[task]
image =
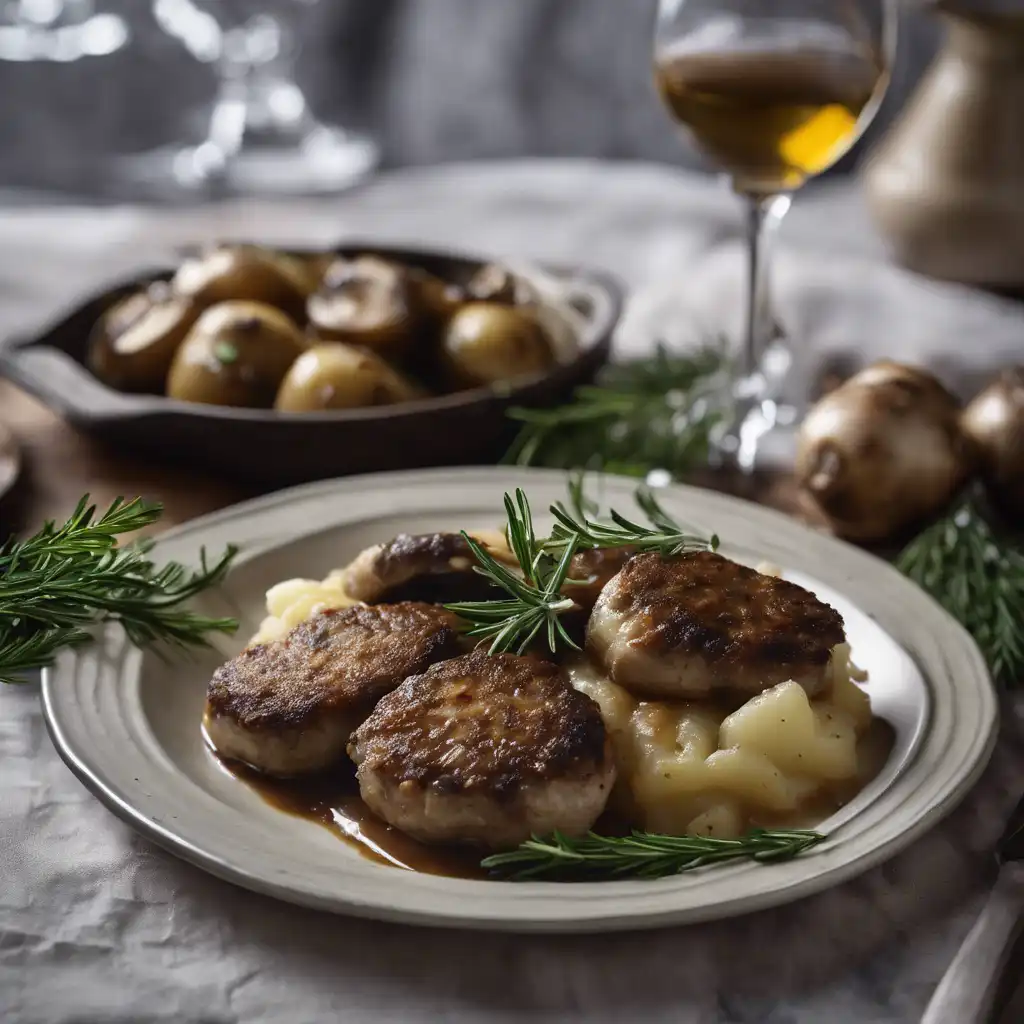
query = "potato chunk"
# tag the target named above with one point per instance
(688, 767)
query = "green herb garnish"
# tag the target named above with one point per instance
(225, 352)
(653, 413)
(645, 855)
(664, 535)
(535, 599)
(64, 579)
(978, 577)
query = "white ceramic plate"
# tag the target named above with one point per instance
(128, 723)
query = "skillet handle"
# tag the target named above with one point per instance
(65, 385)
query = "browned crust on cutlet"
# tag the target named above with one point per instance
(342, 659)
(483, 723)
(703, 604)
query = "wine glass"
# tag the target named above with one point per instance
(773, 93)
(58, 30)
(261, 135)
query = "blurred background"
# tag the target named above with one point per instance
(84, 83)
(919, 258)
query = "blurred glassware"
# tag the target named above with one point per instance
(262, 136)
(58, 30)
(774, 94)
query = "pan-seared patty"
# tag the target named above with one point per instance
(434, 567)
(696, 623)
(597, 567)
(288, 707)
(485, 750)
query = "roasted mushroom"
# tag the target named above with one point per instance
(436, 300)
(249, 273)
(882, 451)
(486, 343)
(494, 283)
(365, 301)
(333, 375)
(133, 343)
(432, 567)
(236, 354)
(314, 267)
(994, 421)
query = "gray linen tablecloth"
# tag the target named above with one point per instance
(97, 925)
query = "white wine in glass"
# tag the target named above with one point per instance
(773, 93)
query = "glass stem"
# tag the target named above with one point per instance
(764, 214)
(257, 78)
(754, 411)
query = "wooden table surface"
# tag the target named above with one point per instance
(59, 465)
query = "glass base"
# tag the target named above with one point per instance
(764, 439)
(759, 429)
(326, 160)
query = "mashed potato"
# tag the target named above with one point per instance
(295, 601)
(687, 766)
(694, 766)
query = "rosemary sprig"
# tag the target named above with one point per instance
(535, 600)
(643, 855)
(664, 535)
(978, 577)
(652, 413)
(57, 583)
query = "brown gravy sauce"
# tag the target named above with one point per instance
(331, 799)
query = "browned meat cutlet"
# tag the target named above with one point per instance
(485, 750)
(698, 623)
(434, 567)
(289, 707)
(597, 566)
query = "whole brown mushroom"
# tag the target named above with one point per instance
(132, 345)
(435, 299)
(237, 354)
(882, 452)
(314, 267)
(333, 375)
(994, 421)
(365, 301)
(495, 283)
(247, 273)
(486, 343)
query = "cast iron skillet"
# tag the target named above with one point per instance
(272, 449)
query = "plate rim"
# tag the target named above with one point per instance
(827, 877)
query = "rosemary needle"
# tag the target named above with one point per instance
(536, 600)
(651, 413)
(664, 535)
(64, 579)
(643, 855)
(978, 577)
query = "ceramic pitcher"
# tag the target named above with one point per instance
(946, 186)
